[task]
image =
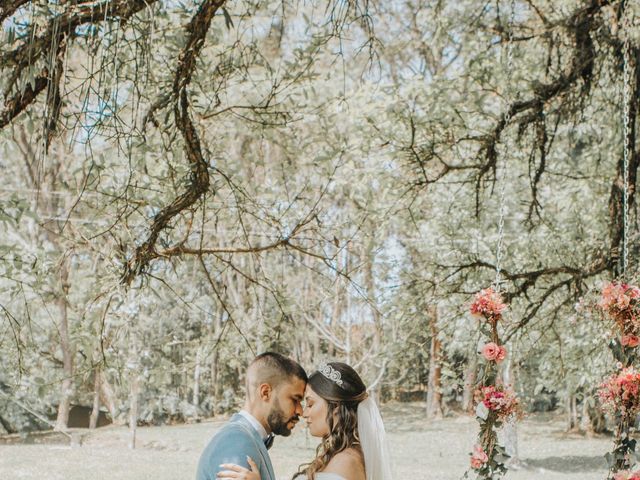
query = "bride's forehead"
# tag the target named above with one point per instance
(310, 393)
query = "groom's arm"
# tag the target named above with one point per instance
(232, 446)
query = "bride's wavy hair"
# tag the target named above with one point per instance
(342, 415)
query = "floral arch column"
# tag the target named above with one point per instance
(619, 394)
(495, 402)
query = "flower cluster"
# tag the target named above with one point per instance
(621, 303)
(620, 393)
(618, 297)
(494, 352)
(500, 400)
(478, 458)
(488, 304)
(627, 475)
(631, 341)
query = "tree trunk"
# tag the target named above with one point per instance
(567, 409)
(258, 319)
(434, 387)
(215, 389)
(134, 387)
(196, 381)
(107, 396)
(369, 284)
(585, 420)
(470, 376)
(133, 408)
(66, 390)
(336, 314)
(93, 419)
(6, 426)
(183, 383)
(593, 419)
(315, 339)
(347, 299)
(574, 412)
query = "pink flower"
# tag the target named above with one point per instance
(490, 351)
(619, 299)
(613, 296)
(502, 354)
(493, 352)
(500, 400)
(488, 304)
(631, 341)
(478, 457)
(621, 392)
(627, 475)
(620, 302)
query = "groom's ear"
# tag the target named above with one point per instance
(265, 391)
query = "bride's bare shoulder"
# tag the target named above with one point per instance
(348, 464)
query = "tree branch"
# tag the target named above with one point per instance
(197, 30)
(580, 23)
(36, 48)
(9, 7)
(20, 101)
(74, 16)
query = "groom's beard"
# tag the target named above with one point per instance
(278, 422)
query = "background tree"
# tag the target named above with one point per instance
(222, 179)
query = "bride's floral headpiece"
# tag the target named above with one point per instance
(331, 373)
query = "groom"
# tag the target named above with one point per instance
(275, 388)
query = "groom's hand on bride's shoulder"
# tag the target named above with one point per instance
(231, 470)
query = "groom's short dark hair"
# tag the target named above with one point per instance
(274, 368)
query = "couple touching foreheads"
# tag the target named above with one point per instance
(337, 409)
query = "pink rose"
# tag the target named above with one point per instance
(631, 341)
(478, 457)
(626, 475)
(491, 351)
(502, 354)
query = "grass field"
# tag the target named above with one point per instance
(436, 450)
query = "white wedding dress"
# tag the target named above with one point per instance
(377, 461)
(327, 476)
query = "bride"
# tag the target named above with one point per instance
(340, 411)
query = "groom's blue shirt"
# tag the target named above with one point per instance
(232, 444)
